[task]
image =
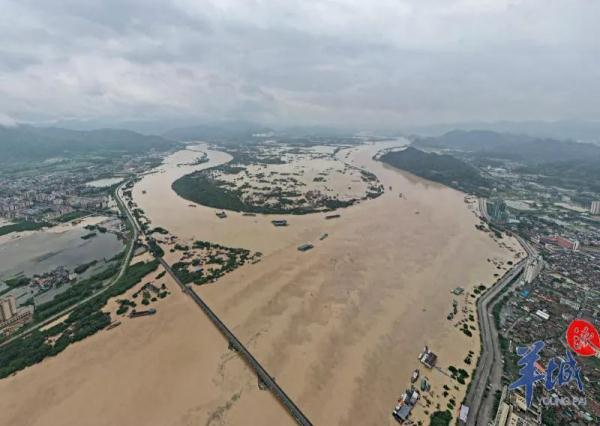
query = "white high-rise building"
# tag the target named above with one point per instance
(533, 268)
(595, 208)
(8, 308)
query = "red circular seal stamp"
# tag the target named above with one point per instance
(583, 337)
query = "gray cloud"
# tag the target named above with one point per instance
(385, 63)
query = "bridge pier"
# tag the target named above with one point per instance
(261, 384)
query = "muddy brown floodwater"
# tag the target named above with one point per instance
(339, 326)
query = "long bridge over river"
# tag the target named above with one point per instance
(265, 378)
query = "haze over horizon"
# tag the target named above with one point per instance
(340, 63)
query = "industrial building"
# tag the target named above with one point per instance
(559, 241)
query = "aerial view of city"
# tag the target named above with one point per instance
(300, 213)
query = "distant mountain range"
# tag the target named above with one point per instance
(523, 148)
(27, 143)
(581, 131)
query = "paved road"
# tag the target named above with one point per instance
(495, 376)
(490, 367)
(122, 270)
(490, 358)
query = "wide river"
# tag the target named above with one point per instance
(339, 326)
(193, 221)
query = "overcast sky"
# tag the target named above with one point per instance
(365, 63)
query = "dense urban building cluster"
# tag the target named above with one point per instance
(56, 189)
(557, 286)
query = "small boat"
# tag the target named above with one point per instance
(415, 376)
(113, 325)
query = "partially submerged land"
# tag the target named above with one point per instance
(82, 322)
(277, 179)
(61, 233)
(340, 326)
(142, 371)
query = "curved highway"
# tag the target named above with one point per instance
(490, 354)
(490, 366)
(123, 268)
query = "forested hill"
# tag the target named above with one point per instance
(444, 169)
(510, 146)
(28, 143)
